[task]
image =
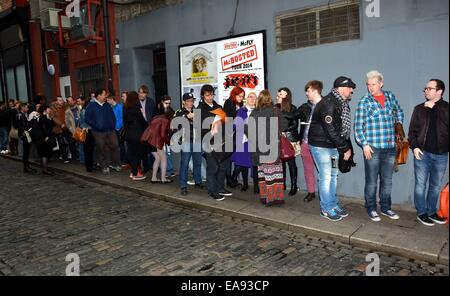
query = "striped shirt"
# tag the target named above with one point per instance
(374, 125)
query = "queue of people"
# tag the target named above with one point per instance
(136, 130)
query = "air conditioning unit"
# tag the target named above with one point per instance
(36, 6)
(49, 20)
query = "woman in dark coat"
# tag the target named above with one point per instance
(231, 106)
(134, 125)
(289, 127)
(44, 139)
(241, 156)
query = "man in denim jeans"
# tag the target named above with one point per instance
(374, 131)
(325, 142)
(428, 138)
(190, 147)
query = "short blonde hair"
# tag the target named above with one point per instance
(374, 74)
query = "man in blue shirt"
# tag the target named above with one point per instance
(118, 113)
(100, 117)
(376, 114)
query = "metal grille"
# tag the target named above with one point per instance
(90, 79)
(320, 25)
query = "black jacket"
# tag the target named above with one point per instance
(326, 124)
(230, 108)
(420, 122)
(183, 112)
(289, 123)
(206, 113)
(5, 119)
(134, 124)
(22, 123)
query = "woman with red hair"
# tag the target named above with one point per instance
(231, 106)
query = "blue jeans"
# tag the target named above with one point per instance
(186, 154)
(382, 165)
(169, 160)
(327, 175)
(3, 138)
(431, 167)
(80, 152)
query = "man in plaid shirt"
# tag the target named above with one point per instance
(374, 132)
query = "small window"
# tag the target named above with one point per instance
(319, 25)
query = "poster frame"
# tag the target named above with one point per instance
(263, 32)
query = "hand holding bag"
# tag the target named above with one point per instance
(80, 134)
(401, 145)
(287, 151)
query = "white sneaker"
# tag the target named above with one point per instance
(2, 152)
(374, 216)
(191, 182)
(6, 151)
(391, 214)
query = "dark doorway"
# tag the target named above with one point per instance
(159, 72)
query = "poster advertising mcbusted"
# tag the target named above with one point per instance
(224, 63)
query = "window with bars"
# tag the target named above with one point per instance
(319, 25)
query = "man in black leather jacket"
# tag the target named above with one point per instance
(326, 142)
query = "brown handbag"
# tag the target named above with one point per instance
(401, 145)
(80, 134)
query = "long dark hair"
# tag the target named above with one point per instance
(287, 101)
(132, 100)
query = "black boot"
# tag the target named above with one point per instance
(244, 179)
(284, 174)
(255, 180)
(45, 171)
(232, 181)
(310, 196)
(293, 175)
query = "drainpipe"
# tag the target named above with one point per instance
(107, 45)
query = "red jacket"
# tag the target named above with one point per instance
(157, 133)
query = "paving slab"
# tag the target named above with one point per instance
(443, 256)
(314, 224)
(397, 240)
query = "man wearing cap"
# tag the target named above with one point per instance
(326, 142)
(190, 146)
(375, 116)
(342, 91)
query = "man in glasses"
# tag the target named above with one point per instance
(428, 138)
(376, 114)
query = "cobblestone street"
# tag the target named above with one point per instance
(115, 232)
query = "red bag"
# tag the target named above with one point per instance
(287, 151)
(443, 208)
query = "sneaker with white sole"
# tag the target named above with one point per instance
(425, 220)
(373, 215)
(191, 182)
(341, 211)
(330, 215)
(138, 177)
(391, 214)
(436, 219)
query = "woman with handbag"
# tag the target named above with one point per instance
(159, 136)
(270, 169)
(289, 129)
(134, 125)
